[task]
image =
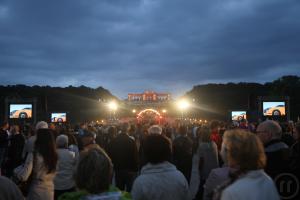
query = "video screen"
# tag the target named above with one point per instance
(274, 108)
(238, 115)
(20, 111)
(58, 117)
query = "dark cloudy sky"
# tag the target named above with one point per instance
(134, 45)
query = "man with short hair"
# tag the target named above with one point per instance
(277, 152)
(183, 152)
(124, 154)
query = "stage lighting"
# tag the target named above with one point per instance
(183, 105)
(113, 106)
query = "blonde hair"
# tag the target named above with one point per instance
(244, 149)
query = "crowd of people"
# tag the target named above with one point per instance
(147, 161)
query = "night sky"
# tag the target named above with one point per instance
(135, 45)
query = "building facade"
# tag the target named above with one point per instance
(149, 96)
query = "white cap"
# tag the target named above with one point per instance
(41, 125)
(155, 129)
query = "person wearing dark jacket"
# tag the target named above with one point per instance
(295, 152)
(183, 153)
(15, 150)
(3, 142)
(124, 154)
(277, 152)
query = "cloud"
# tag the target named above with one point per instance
(136, 45)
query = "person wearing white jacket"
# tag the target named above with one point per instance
(63, 180)
(245, 153)
(254, 184)
(159, 179)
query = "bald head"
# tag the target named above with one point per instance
(269, 130)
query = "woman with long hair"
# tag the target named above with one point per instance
(41, 166)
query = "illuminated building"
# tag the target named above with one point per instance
(149, 96)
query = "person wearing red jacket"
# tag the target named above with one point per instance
(215, 136)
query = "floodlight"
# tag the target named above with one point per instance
(113, 106)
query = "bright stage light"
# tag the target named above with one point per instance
(134, 111)
(183, 105)
(164, 110)
(113, 106)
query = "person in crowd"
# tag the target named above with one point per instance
(208, 157)
(168, 132)
(154, 129)
(3, 142)
(252, 127)
(88, 141)
(63, 180)
(82, 129)
(215, 136)
(217, 176)
(194, 138)
(139, 130)
(183, 153)
(52, 126)
(27, 130)
(109, 136)
(245, 153)
(29, 144)
(9, 190)
(124, 154)
(15, 150)
(41, 166)
(295, 152)
(243, 124)
(132, 131)
(277, 152)
(145, 131)
(92, 130)
(93, 178)
(100, 137)
(73, 145)
(159, 179)
(287, 133)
